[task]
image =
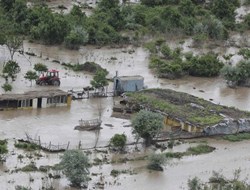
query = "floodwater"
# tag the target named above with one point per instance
(56, 125)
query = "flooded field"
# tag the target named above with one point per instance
(56, 125)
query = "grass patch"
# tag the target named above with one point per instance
(183, 106)
(237, 137)
(29, 168)
(175, 154)
(199, 149)
(3, 147)
(27, 146)
(115, 173)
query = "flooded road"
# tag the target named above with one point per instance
(56, 125)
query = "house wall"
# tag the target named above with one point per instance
(168, 121)
(128, 85)
(34, 103)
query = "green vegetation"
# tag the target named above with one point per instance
(10, 69)
(173, 64)
(147, 125)
(19, 187)
(40, 68)
(29, 168)
(30, 75)
(3, 147)
(7, 87)
(115, 173)
(197, 150)
(118, 141)
(26, 146)
(91, 67)
(75, 166)
(237, 75)
(99, 79)
(218, 181)
(237, 137)
(183, 106)
(156, 161)
(200, 149)
(113, 23)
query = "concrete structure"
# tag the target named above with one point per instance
(35, 99)
(128, 84)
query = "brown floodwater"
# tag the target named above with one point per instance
(56, 125)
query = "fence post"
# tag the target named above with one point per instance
(79, 146)
(68, 146)
(39, 140)
(49, 144)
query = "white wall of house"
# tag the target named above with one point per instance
(44, 102)
(34, 103)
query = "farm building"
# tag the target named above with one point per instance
(35, 99)
(128, 84)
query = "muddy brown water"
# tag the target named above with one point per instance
(56, 124)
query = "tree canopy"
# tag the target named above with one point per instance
(75, 166)
(147, 125)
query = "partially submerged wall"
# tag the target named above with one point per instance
(228, 126)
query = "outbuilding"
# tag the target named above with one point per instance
(35, 99)
(128, 84)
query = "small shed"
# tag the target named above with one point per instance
(35, 99)
(128, 84)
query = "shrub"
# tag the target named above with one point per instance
(207, 65)
(118, 141)
(156, 161)
(200, 149)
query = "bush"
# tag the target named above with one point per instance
(3, 147)
(206, 66)
(156, 161)
(118, 141)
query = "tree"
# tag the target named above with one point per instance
(147, 125)
(75, 166)
(99, 80)
(11, 68)
(40, 68)
(78, 36)
(118, 141)
(7, 87)
(31, 75)
(13, 43)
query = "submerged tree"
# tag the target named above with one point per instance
(11, 68)
(147, 125)
(75, 165)
(6, 87)
(13, 44)
(40, 68)
(30, 75)
(99, 80)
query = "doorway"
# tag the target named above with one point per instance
(39, 103)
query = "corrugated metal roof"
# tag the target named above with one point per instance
(33, 94)
(126, 78)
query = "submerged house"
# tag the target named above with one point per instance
(128, 84)
(35, 99)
